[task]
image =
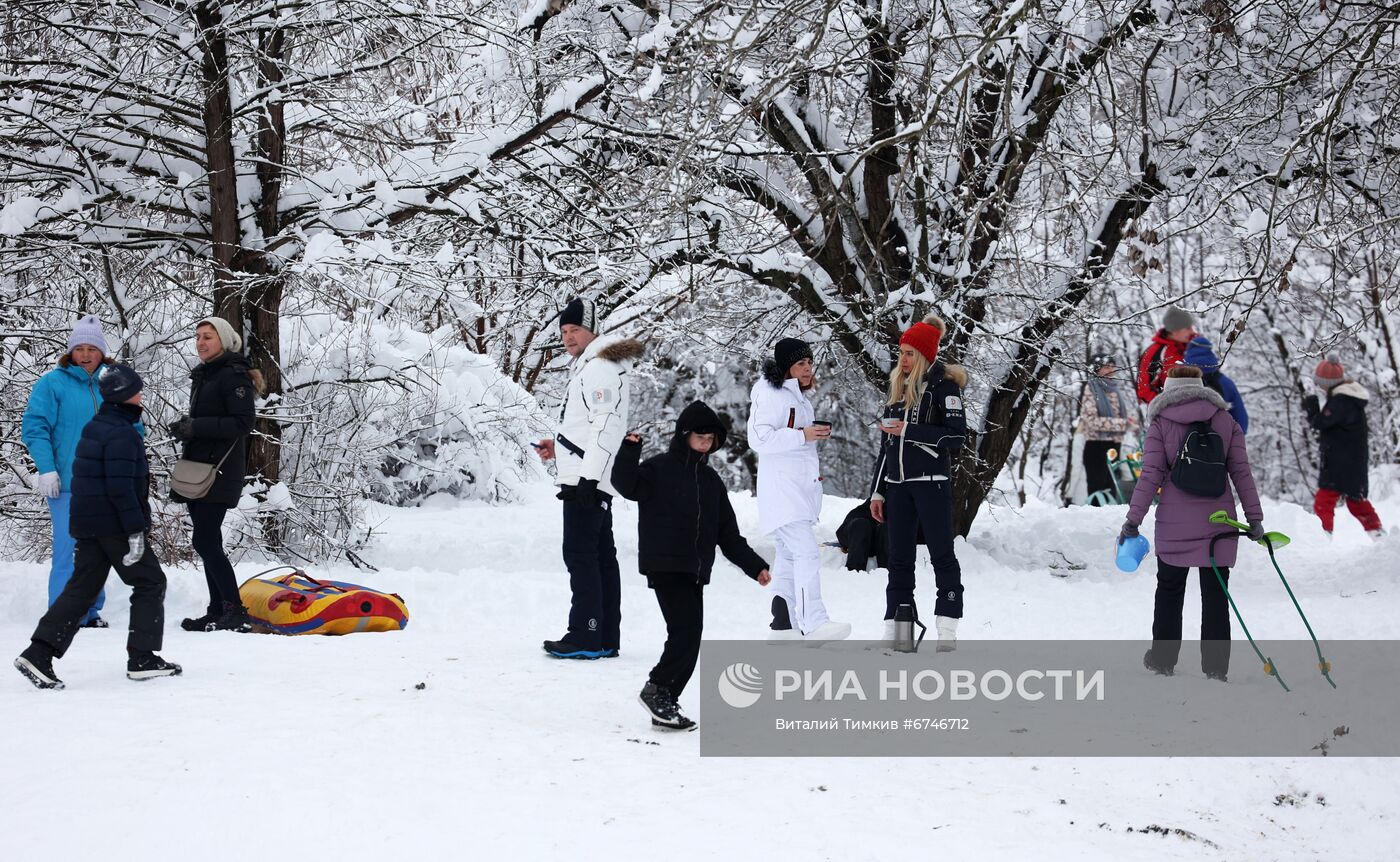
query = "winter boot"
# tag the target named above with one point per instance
(36, 663)
(1150, 664)
(233, 619)
(665, 712)
(610, 652)
(564, 649)
(827, 632)
(200, 624)
(95, 623)
(1376, 533)
(947, 633)
(147, 665)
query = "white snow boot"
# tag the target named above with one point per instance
(888, 639)
(947, 633)
(827, 632)
(777, 636)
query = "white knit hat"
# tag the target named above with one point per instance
(231, 340)
(88, 331)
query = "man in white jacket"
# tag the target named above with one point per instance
(783, 431)
(587, 440)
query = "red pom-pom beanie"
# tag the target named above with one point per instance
(924, 337)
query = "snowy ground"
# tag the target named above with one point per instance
(290, 746)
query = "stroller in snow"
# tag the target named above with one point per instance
(1124, 471)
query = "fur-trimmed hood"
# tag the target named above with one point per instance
(615, 349)
(1181, 390)
(775, 376)
(955, 373)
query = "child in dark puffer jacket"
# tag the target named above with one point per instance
(111, 514)
(684, 516)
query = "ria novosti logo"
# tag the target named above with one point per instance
(741, 685)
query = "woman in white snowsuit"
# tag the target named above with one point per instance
(782, 429)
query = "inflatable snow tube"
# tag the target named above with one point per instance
(296, 604)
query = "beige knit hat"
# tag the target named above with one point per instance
(231, 340)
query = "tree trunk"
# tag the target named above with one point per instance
(264, 305)
(1012, 398)
(224, 234)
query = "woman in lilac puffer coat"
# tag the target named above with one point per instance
(1183, 527)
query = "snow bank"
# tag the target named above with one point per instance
(458, 731)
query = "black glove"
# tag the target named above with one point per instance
(1129, 531)
(1310, 405)
(587, 493)
(1256, 530)
(182, 428)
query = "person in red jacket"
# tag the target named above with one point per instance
(1167, 350)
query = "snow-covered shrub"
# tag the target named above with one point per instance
(396, 415)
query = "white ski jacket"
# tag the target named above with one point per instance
(594, 418)
(789, 471)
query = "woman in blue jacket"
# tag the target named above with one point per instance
(1201, 353)
(63, 401)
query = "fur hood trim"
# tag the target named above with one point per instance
(622, 350)
(1181, 390)
(957, 374)
(775, 376)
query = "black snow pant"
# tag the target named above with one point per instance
(910, 507)
(1215, 619)
(208, 541)
(595, 617)
(682, 602)
(92, 561)
(1096, 472)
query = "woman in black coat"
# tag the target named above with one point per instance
(684, 514)
(221, 417)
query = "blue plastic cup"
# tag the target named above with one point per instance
(1130, 553)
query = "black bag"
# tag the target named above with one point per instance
(1200, 464)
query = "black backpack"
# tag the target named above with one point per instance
(1200, 463)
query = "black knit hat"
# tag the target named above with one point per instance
(790, 351)
(118, 383)
(580, 312)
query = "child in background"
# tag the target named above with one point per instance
(1343, 439)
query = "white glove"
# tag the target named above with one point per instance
(49, 485)
(137, 543)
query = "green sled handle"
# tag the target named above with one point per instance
(1271, 539)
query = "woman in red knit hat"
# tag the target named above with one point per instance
(923, 426)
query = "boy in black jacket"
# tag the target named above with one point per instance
(110, 516)
(684, 514)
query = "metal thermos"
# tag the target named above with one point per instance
(904, 623)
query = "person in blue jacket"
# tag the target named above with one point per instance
(63, 401)
(1201, 353)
